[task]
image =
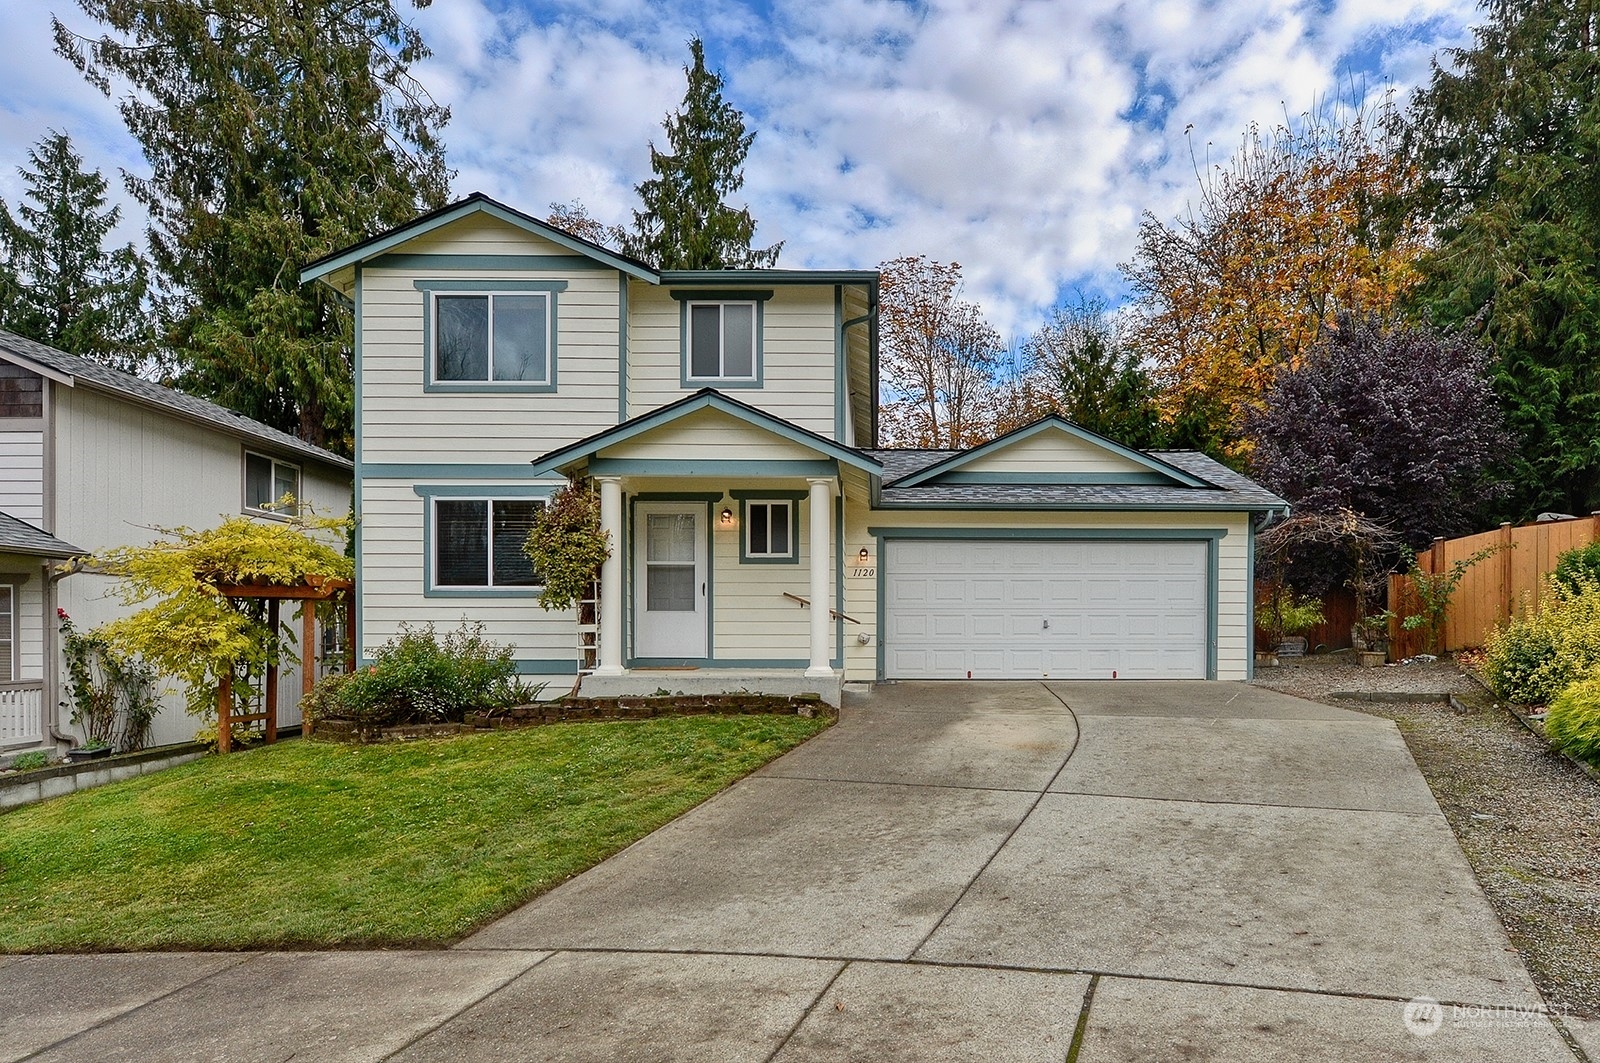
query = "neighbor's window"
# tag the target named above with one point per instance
(493, 338)
(722, 341)
(478, 542)
(8, 632)
(767, 529)
(266, 480)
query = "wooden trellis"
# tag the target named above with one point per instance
(315, 589)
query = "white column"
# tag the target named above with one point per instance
(611, 607)
(821, 550)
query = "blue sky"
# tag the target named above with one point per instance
(1021, 138)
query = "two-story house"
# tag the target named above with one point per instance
(92, 458)
(760, 538)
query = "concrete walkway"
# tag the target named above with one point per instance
(1100, 872)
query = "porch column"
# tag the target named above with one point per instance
(610, 662)
(821, 550)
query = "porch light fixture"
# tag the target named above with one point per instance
(727, 516)
(863, 555)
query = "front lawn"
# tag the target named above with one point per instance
(312, 844)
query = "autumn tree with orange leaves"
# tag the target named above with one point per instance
(938, 358)
(1294, 230)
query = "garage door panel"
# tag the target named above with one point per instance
(1029, 609)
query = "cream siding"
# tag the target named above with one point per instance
(1233, 635)
(124, 470)
(22, 475)
(710, 435)
(481, 234)
(1051, 451)
(403, 424)
(798, 344)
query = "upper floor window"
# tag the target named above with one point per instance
(722, 341)
(490, 335)
(266, 481)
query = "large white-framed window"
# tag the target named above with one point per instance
(477, 544)
(266, 481)
(490, 335)
(8, 632)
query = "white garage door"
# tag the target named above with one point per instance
(1020, 609)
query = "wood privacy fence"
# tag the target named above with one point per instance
(1493, 589)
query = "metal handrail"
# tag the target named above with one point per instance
(805, 603)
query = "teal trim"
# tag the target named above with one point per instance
(485, 490)
(430, 290)
(406, 470)
(1031, 478)
(877, 537)
(622, 347)
(475, 204)
(726, 468)
(858, 319)
(756, 492)
(1106, 534)
(792, 500)
(628, 575)
(689, 383)
(707, 662)
(545, 667)
(678, 496)
(1250, 601)
(428, 589)
(1218, 506)
(710, 400)
(838, 581)
(769, 276)
(872, 363)
(715, 295)
(1059, 424)
(839, 378)
(356, 508)
(1212, 595)
(562, 263)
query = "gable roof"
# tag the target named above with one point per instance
(1051, 422)
(76, 371)
(476, 203)
(20, 537)
(707, 399)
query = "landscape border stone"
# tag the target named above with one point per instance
(26, 787)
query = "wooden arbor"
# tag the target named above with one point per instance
(315, 589)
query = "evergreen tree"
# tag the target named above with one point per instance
(1083, 367)
(276, 133)
(58, 282)
(1506, 138)
(685, 223)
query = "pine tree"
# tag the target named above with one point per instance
(58, 282)
(276, 133)
(685, 223)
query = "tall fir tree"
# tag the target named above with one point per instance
(59, 284)
(276, 133)
(686, 223)
(1506, 135)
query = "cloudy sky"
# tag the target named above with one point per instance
(1021, 138)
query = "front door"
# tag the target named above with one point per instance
(670, 581)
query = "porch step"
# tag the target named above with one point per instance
(645, 681)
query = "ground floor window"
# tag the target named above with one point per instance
(478, 542)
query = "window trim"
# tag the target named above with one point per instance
(244, 486)
(432, 289)
(687, 300)
(12, 586)
(792, 499)
(431, 496)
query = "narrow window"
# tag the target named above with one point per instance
(767, 529)
(478, 542)
(267, 480)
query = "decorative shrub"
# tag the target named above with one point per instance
(567, 546)
(1574, 720)
(1579, 566)
(1533, 659)
(418, 677)
(112, 694)
(1285, 613)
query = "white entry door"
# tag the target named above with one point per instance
(670, 605)
(1031, 609)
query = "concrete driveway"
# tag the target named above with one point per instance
(1005, 871)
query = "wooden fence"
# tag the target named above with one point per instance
(1494, 589)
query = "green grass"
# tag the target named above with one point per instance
(313, 844)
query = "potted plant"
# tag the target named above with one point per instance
(1283, 616)
(94, 749)
(1369, 635)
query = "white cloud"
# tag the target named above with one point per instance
(1021, 138)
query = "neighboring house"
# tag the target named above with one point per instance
(99, 458)
(760, 539)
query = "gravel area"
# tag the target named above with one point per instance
(1527, 819)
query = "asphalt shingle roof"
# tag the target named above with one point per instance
(20, 537)
(88, 372)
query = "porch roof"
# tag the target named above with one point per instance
(20, 537)
(574, 454)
